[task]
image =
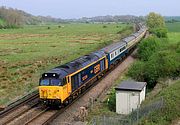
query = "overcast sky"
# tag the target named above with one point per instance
(89, 8)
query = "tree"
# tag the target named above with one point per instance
(155, 21)
(156, 25)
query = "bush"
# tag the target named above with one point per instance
(112, 101)
(125, 29)
(160, 32)
(147, 47)
(157, 60)
(160, 65)
(104, 26)
(136, 71)
(167, 63)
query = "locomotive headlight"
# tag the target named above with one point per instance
(45, 74)
(54, 74)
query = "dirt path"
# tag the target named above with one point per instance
(69, 117)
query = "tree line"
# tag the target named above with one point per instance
(11, 18)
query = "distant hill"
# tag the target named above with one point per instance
(19, 17)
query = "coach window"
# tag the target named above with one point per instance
(113, 55)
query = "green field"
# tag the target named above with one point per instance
(174, 32)
(27, 52)
(173, 27)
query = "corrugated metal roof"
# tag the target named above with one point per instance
(131, 86)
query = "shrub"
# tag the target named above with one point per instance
(167, 63)
(112, 101)
(104, 26)
(160, 32)
(161, 64)
(147, 47)
(136, 71)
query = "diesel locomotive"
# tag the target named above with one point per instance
(64, 83)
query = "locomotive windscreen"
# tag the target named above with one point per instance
(50, 82)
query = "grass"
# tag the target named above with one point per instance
(174, 37)
(27, 52)
(170, 112)
(173, 27)
(174, 32)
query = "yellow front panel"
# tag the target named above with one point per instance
(55, 92)
(50, 92)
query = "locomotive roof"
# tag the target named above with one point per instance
(76, 64)
(114, 46)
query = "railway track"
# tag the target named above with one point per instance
(19, 107)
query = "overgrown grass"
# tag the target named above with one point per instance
(170, 112)
(27, 52)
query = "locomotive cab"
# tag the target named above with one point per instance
(52, 88)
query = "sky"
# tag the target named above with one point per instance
(88, 8)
